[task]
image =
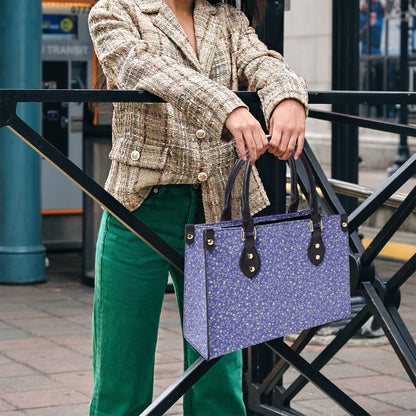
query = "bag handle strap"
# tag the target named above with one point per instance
(313, 195)
(294, 193)
(250, 259)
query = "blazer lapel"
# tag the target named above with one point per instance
(206, 32)
(167, 22)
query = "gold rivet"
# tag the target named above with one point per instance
(252, 269)
(317, 257)
(344, 224)
(250, 255)
(210, 242)
(190, 236)
(317, 245)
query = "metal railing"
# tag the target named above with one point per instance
(382, 297)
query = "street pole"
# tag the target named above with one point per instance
(403, 150)
(345, 70)
(22, 256)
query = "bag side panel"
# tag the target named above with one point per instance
(195, 301)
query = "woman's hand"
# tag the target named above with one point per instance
(287, 129)
(247, 132)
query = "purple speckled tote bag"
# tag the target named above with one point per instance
(252, 280)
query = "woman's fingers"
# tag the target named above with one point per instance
(287, 128)
(247, 133)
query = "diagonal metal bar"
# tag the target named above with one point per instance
(329, 352)
(314, 376)
(330, 196)
(399, 344)
(173, 393)
(402, 275)
(388, 230)
(368, 123)
(95, 191)
(407, 337)
(282, 366)
(371, 204)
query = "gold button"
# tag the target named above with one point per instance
(200, 134)
(135, 155)
(202, 176)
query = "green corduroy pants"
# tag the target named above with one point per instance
(130, 282)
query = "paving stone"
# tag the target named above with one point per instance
(374, 384)
(30, 313)
(4, 360)
(404, 399)
(74, 410)
(322, 407)
(169, 344)
(336, 371)
(162, 358)
(5, 407)
(26, 344)
(44, 327)
(53, 360)
(26, 383)
(14, 333)
(44, 398)
(15, 369)
(171, 369)
(81, 344)
(375, 407)
(81, 381)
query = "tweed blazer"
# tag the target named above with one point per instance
(141, 45)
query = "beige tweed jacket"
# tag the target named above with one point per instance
(141, 45)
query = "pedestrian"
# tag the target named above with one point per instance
(170, 164)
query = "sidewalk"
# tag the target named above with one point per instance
(45, 359)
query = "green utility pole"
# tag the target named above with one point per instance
(22, 256)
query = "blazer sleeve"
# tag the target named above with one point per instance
(130, 63)
(264, 70)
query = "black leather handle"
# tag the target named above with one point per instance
(294, 193)
(313, 196)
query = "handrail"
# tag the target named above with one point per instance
(360, 191)
(91, 95)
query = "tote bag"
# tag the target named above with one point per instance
(251, 280)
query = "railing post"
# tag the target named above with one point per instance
(403, 152)
(345, 60)
(22, 257)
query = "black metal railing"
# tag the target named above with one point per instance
(382, 297)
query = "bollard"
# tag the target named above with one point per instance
(22, 256)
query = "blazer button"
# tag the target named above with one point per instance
(200, 134)
(135, 155)
(202, 176)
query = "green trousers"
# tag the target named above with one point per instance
(130, 283)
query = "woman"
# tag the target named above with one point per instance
(170, 163)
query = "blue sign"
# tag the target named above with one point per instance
(58, 26)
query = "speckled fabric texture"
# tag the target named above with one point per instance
(226, 311)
